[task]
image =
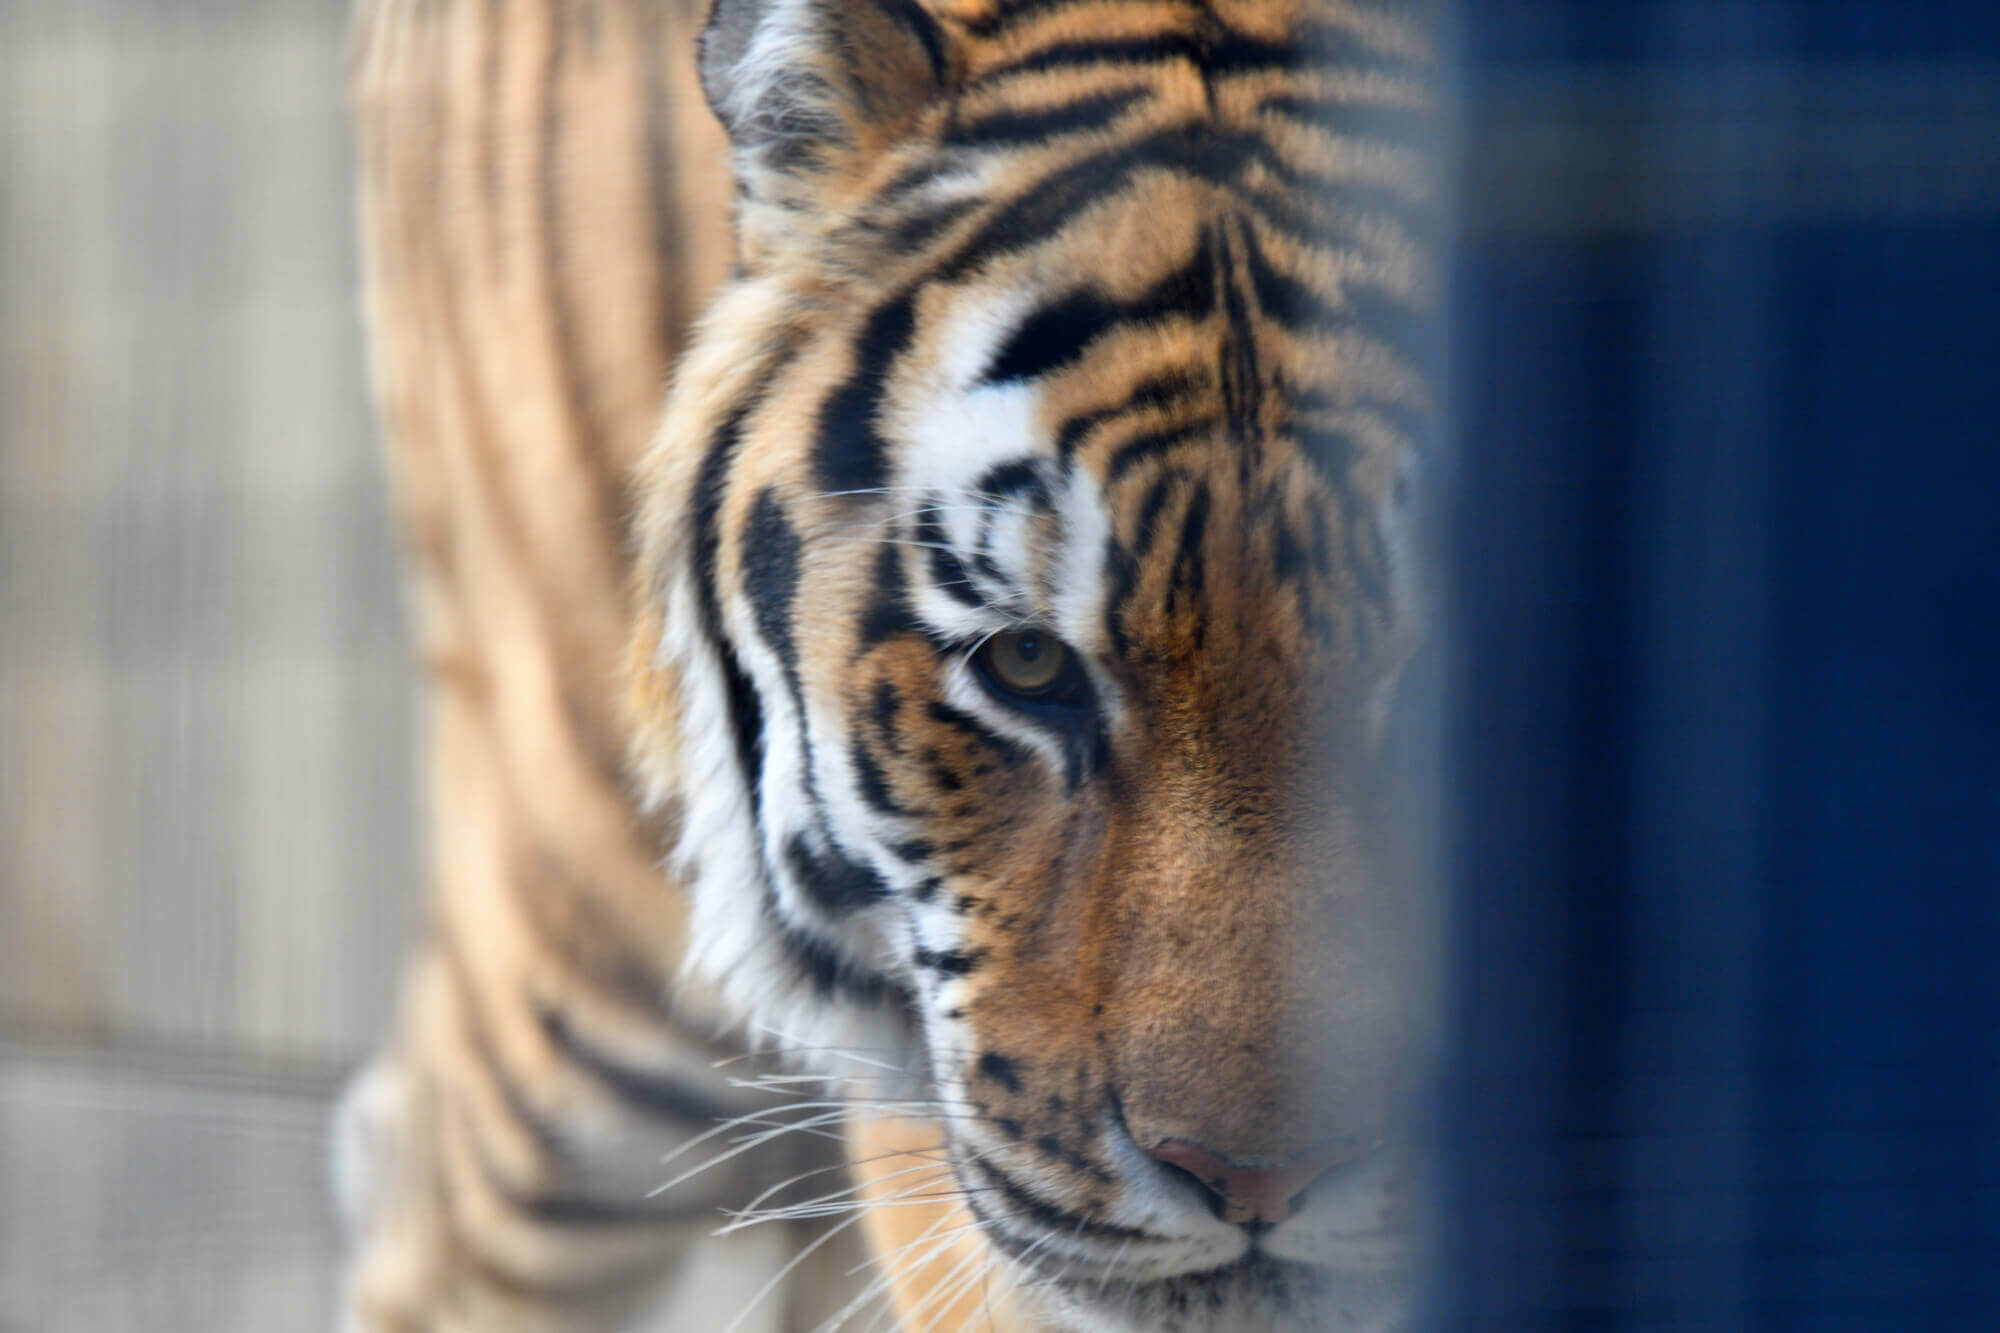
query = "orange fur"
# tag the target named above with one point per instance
(1178, 919)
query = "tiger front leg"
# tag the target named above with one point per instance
(484, 1189)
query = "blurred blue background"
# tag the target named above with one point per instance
(1727, 826)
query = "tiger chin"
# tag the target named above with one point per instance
(1025, 581)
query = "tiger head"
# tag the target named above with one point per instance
(1026, 582)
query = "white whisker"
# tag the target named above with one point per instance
(882, 1283)
(751, 1141)
(949, 1290)
(789, 1181)
(826, 1204)
(793, 1043)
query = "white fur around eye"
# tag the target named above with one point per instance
(1080, 570)
(952, 428)
(964, 691)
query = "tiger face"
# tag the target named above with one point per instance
(1026, 587)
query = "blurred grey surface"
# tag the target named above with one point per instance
(161, 1194)
(208, 859)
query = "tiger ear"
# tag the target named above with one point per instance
(806, 88)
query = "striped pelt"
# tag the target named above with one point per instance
(980, 906)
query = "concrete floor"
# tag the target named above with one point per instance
(151, 1194)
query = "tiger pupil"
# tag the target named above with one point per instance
(1026, 662)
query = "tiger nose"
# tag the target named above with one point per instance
(1251, 1193)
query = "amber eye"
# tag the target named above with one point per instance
(1025, 662)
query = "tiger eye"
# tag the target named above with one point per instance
(1027, 661)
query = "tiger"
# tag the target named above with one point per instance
(1015, 602)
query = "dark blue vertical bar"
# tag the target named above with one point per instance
(1725, 863)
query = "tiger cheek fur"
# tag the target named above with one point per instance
(1094, 323)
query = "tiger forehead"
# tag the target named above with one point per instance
(1170, 254)
(1183, 359)
(1179, 229)
(996, 30)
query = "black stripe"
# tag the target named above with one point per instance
(1121, 574)
(993, 1065)
(835, 882)
(1153, 49)
(1377, 122)
(550, 1207)
(1288, 555)
(770, 575)
(1003, 749)
(746, 714)
(1085, 751)
(1145, 530)
(873, 784)
(1156, 391)
(769, 570)
(1410, 421)
(1006, 17)
(568, 1210)
(1039, 126)
(888, 613)
(1188, 568)
(1322, 540)
(1242, 377)
(883, 709)
(948, 573)
(909, 180)
(1367, 309)
(1225, 54)
(1019, 477)
(1334, 452)
(1199, 150)
(655, 1093)
(1380, 198)
(477, 1032)
(1318, 215)
(916, 21)
(982, 559)
(1136, 451)
(1045, 1215)
(1188, 574)
(672, 291)
(1284, 299)
(849, 453)
(831, 973)
(1362, 536)
(951, 962)
(1061, 331)
(945, 779)
(566, 915)
(1047, 206)
(917, 230)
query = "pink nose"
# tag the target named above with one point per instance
(1251, 1193)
